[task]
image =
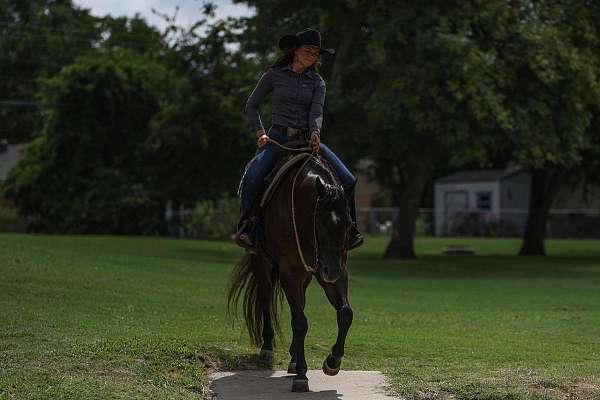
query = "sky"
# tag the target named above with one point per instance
(189, 10)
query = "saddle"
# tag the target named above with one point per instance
(287, 161)
(278, 173)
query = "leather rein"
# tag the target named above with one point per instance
(309, 268)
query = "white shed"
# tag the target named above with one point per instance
(498, 196)
(9, 157)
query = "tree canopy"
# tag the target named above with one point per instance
(419, 88)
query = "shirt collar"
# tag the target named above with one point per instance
(310, 73)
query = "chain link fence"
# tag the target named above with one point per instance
(562, 223)
(219, 221)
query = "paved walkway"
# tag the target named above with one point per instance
(268, 385)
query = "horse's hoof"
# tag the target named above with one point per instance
(300, 385)
(292, 368)
(327, 370)
(266, 357)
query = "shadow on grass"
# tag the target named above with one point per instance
(438, 266)
(227, 255)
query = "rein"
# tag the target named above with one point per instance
(290, 149)
(296, 236)
(308, 267)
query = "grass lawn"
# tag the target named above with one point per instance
(122, 317)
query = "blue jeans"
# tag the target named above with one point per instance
(267, 157)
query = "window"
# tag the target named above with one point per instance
(484, 200)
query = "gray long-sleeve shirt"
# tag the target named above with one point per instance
(298, 99)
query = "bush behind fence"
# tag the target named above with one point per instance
(504, 223)
(218, 220)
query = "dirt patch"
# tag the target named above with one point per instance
(435, 396)
(581, 389)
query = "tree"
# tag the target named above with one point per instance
(37, 38)
(410, 85)
(200, 142)
(85, 173)
(455, 83)
(553, 93)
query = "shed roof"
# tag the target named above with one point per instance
(488, 175)
(9, 159)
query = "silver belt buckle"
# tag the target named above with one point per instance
(293, 133)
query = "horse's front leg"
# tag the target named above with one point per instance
(337, 293)
(292, 365)
(294, 292)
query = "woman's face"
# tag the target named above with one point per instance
(307, 55)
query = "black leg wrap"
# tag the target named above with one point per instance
(300, 326)
(345, 315)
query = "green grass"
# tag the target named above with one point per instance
(122, 317)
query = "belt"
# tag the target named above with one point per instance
(293, 133)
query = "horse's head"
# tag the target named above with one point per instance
(332, 225)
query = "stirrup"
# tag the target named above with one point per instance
(356, 238)
(242, 237)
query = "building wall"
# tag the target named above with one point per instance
(9, 158)
(365, 190)
(515, 192)
(444, 191)
(578, 198)
(515, 201)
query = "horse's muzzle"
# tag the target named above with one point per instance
(328, 274)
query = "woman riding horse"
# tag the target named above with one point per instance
(297, 109)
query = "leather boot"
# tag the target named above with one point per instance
(356, 238)
(243, 236)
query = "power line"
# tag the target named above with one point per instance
(74, 38)
(23, 103)
(43, 32)
(100, 28)
(38, 61)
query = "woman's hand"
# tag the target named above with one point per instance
(315, 141)
(262, 138)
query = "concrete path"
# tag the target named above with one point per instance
(268, 385)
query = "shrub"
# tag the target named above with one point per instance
(213, 219)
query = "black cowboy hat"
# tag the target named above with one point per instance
(307, 36)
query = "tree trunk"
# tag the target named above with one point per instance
(418, 171)
(544, 188)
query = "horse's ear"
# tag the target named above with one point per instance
(321, 187)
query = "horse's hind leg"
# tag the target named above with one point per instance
(266, 298)
(337, 294)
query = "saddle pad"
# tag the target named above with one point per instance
(281, 172)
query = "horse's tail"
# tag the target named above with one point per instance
(258, 280)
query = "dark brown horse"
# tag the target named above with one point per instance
(306, 226)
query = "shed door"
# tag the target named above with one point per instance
(456, 201)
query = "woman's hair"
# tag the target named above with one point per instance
(288, 56)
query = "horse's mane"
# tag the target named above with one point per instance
(320, 165)
(334, 189)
